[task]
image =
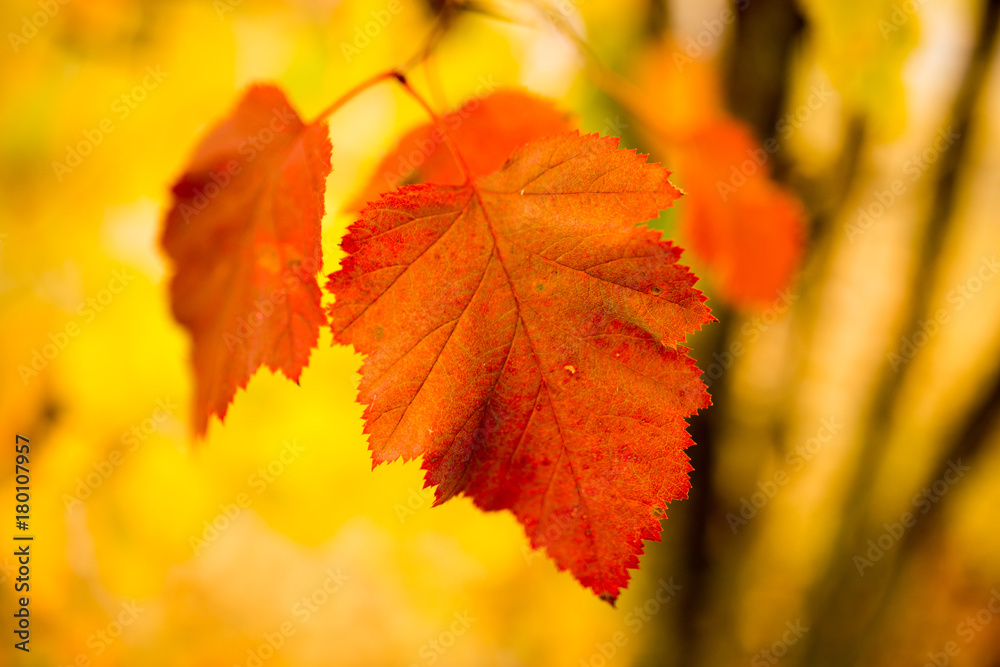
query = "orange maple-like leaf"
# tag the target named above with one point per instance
(244, 235)
(486, 130)
(747, 228)
(525, 336)
(742, 224)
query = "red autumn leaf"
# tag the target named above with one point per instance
(525, 335)
(244, 234)
(485, 130)
(742, 224)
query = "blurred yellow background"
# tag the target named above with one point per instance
(839, 408)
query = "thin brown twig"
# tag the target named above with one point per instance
(352, 93)
(452, 146)
(421, 55)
